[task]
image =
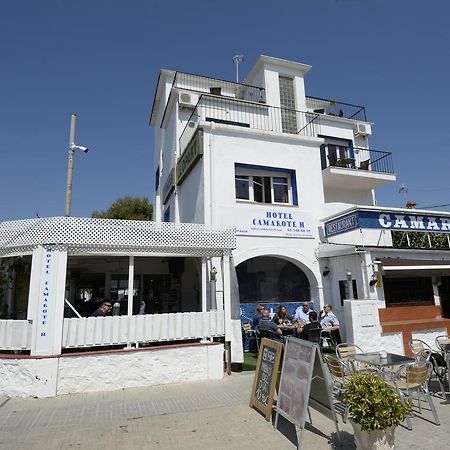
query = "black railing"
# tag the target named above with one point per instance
(249, 115)
(357, 158)
(215, 86)
(334, 108)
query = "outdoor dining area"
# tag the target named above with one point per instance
(417, 379)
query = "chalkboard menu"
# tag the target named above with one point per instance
(266, 376)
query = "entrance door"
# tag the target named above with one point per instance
(444, 293)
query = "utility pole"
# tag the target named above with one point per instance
(72, 148)
(237, 59)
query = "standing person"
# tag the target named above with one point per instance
(329, 322)
(302, 313)
(104, 310)
(257, 317)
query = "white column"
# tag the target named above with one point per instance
(46, 299)
(227, 296)
(205, 279)
(130, 285)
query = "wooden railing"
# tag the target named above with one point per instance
(15, 335)
(101, 331)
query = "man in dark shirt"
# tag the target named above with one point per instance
(266, 325)
(313, 324)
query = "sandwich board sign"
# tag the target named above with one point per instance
(266, 376)
(304, 382)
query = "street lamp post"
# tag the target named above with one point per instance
(72, 148)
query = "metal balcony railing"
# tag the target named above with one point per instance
(357, 158)
(334, 108)
(215, 86)
(249, 115)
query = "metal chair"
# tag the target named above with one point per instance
(441, 342)
(338, 377)
(414, 378)
(440, 370)
(421, 350)
(251, 334)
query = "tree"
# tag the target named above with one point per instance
(130, 208)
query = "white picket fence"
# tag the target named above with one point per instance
(96, 331)
(15, 335)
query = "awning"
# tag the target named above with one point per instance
(398, 267)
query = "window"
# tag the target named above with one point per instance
(263, 189)
(166, 217)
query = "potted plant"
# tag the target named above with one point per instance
(375, 409)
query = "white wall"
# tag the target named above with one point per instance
(48, 377)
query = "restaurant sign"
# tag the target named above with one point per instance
(386, 220)
(169, 186)
(190, 156)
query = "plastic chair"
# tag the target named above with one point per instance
(414, 378)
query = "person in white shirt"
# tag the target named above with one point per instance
(329, 322)
(302, 313)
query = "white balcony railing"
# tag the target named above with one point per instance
(99, 331)
(15, 335)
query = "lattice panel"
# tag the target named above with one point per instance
(122, 236)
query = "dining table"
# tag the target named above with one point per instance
(381, 360)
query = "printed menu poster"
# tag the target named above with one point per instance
(295, 380)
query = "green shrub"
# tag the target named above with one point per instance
(373, 404)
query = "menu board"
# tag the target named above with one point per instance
(295, 380)
(266, 376)
(304, 382)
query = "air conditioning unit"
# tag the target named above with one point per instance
(187, 99)
(363, 129)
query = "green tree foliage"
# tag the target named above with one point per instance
(130, 208)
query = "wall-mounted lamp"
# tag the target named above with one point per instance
(326, 271)
(373, 281)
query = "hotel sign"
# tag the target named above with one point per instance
(285, 222)
(190, 156)
(382, 220)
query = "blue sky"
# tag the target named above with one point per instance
(101, 60)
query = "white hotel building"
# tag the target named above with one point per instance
(263, 195)
(296, 177)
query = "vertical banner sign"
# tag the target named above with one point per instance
(47, 290)
(266, 376)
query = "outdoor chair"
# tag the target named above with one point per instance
(421, 350)
(270, 335)
(338, 378)
(251, 335)
(441, 342)
(345, 351)
(314, 335)
(440, 370)
(414, 379)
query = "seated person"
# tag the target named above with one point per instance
(104, 310)
(269, 327)
(302, 331)
(257, 317)
(329, 322)
(282, 316)
(302, 312)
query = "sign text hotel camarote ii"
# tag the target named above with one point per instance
(388, 221)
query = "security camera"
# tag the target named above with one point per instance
(81, 148)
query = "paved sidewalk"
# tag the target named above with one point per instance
(196, 415)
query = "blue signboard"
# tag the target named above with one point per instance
(386, 220)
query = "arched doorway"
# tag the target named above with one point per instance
(269, 279)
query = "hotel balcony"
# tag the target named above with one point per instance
(214, 86)
(246, 114)
(355, 168)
